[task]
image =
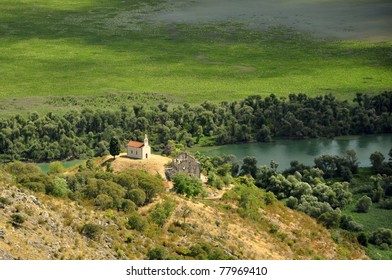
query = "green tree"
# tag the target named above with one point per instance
(186, 211)
(380, 236)
(188, 185)
(114, 148)
(138, 196)
(103, 201)
(377, 160)
(56, 167)
(128, 206)
(292, 202)
(249, 166)
(363, 239)
(159, 215)
(136, 222)
(92, 231)
(58, 187)
(330, 219)
(363, 204)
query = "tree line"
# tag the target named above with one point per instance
(86, 133)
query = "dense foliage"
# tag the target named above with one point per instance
(86, 133)
(121, 191)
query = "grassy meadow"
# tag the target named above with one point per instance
(96, 47)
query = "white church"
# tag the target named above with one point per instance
(139, 150)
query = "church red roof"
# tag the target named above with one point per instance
(135, 144)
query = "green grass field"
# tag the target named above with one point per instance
(94, 47)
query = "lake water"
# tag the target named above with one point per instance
(284, 151)
(67, 164)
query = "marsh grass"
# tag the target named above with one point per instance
(95, 47)
(374, 219)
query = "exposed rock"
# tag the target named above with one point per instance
(35, 200)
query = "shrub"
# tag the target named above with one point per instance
(311, 206)
(35, 186)
(380, 236)
(377, 194)
(138, 196)
(292, 202)
(363, 204)
(58, 187)
(158, 215)
(129, 239)
(128, 206)
(205, 251)
(269, 198)
(92, 231)
(56, 167)
(103, 201)
(188, 185)
(137, 222)
(159, 253)
(362, 239)
(4, 201)
(161, 213)
(386, 203)
(330, 219)
(347, 223)
(17, 219)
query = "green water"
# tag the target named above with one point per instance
(284, 151)
(67, 164)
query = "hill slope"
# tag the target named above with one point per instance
(53, 230)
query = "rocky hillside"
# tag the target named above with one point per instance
(38, 226)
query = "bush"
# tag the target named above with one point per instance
(35, 186)
(103, 201)
(205, 251)
(158, 215)
(347, 222)
(314, 208)
(129, 239)
(136, 222)
(58, 187)
(159, 253)
(56, 167)
(4, 201)
(330, 219)
(92, 231)
(292, 202)
(362, 239)
(128, 206)
(386, 203)
(17, 219)
(161, 213)
(138, 196)
(380, 236)
(188, 185)
(269, 198)
(363, 204)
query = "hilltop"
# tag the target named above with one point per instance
(154, 165)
